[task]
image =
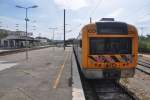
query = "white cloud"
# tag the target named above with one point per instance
(75, 4)
(71, 4)
(144, 18)
(48, 14)
(10, 23)
(4, 18)
(116, 13)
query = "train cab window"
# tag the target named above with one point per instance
(110, 46)
(111, 28)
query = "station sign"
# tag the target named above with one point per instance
(22, 34)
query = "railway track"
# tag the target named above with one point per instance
(144, 58)
(106, 90)
(98, 89)
(144, 65)
(143, 71)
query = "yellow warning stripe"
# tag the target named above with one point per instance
(119, 58)
(60, 73)
(109, 58)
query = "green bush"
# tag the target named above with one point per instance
(3, 34)
(144, 44)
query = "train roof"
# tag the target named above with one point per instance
(125, 27)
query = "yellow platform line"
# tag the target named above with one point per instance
(60, 73)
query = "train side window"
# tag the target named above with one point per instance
(80, 43)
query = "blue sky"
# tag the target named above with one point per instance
(50, 14)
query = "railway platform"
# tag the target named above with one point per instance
(46, 75)
(49, 74)
(4, 52)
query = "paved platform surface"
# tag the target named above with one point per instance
(77, 89)
(45, 76)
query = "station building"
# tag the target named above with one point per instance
(17, 39)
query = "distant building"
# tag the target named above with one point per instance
(16, 39)
(43, 40)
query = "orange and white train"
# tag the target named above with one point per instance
(107, 49)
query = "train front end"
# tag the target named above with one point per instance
(111, 50)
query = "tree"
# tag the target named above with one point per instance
(144, 44)
(3, 34)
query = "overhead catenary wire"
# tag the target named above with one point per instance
(137, 12)
(92, 11)
(90, 14)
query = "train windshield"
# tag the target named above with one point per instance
(110, 46)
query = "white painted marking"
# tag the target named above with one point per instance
(3, 50)
(77, 89)
(6, 65)
(3, 61)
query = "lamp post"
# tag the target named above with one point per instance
(53, 28)
(64, 28)
(142, 29)
(17, 27)
(26, 19)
